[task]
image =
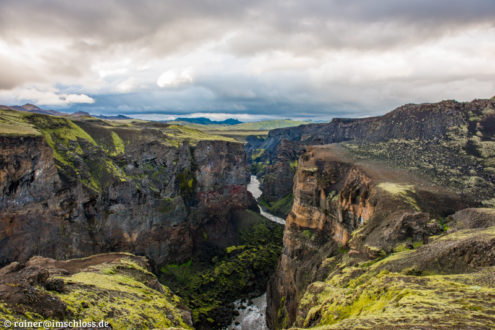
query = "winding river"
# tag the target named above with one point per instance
(252, 314)
(254, 188)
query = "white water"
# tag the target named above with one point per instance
(254, 188)
(252, 316)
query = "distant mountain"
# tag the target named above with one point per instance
(117, 117)
(28, 107)
(33, 108)
(206, 121)
(81, 114)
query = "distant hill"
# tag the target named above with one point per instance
(206, 121)
(81, 114)
(117, 117)
(33, 108)
(267, 125)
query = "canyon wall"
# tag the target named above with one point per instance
(79, 187)
(347, 215)
(451, 142)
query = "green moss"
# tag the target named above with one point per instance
(293, 164)
(401, 247)
(368, 296)
(16, 123)
(405, 192)
(62, 135)
(112, 293)
(118, 144)
(390, 299)
(116, 293)
(187, 186)
(208, 284)
(280, 208)
(257, 153)
(234, 248)
(307, 234)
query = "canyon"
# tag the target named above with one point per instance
(76, 186)
(389, 220)
(377, 233)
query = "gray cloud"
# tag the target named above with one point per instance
(291, 57)
(175, 23)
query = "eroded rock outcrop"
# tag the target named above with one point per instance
(348, 214)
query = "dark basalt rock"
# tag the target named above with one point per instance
(152, 199)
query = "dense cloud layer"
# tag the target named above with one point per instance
(286, 58)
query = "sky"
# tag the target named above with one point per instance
(246, 59)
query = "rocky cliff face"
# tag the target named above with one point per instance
(77, 187)
(450, 141)
(357, 226)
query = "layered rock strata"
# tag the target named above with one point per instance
(354, 221)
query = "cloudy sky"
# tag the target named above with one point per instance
(247, 59)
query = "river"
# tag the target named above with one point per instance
(252, 313)
(254, 188)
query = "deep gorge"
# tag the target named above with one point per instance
(388, 220)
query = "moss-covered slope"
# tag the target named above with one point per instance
(115, 288)
(415, 288)
(89, 149)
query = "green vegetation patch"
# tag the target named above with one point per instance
(15, 123)
(117, 294)
(391, 299)
(405, 192)
(208, 286)
(62, 135)
(180, 133)
(118, 144)
(390, 291)
(280, 208)
(257, 153)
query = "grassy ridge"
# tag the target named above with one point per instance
(264, 125)
(88, 149)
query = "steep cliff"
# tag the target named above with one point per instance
(78, 186)
(370, 245)
(451, 142)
